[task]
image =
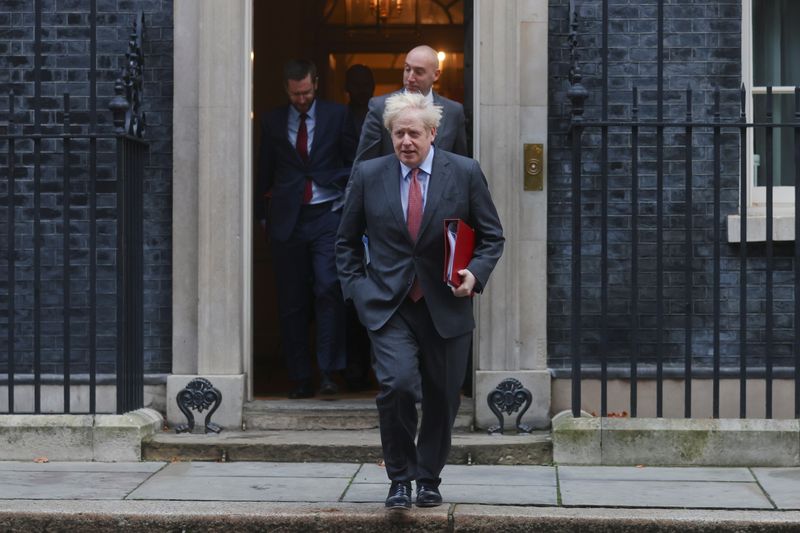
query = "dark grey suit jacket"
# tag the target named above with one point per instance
(375, 140)
(283, 173)
(457, 189)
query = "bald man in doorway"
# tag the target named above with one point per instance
(420, 72)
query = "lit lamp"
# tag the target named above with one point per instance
(384, 8)
(379, 11)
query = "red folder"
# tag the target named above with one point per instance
(459, 244)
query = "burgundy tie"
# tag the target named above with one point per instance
(302, 149)
(414, 220)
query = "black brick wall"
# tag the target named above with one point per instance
(65, 68)
(701, 48)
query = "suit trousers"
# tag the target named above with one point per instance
(408, 349)
(305, 272)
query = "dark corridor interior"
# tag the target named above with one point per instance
(337, 34)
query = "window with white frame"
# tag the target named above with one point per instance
(771, 58)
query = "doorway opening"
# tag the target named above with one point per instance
(337, 34)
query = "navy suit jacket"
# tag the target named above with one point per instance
(457, 189)
(283, 173)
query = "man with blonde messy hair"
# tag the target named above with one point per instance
(431, 115)
(420, 72)
(420, 327)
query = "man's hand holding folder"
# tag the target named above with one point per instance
(459, 245)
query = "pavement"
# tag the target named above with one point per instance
(257, 496)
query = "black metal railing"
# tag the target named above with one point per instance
(727, 135)
(77, 209)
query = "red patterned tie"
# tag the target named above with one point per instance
(301, 145)
(414, 220)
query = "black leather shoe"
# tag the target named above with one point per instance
(304, 389)
(399, 497)
(327, 386)
(428, 495)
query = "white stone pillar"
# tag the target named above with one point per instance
(511, 43)
(211, 207)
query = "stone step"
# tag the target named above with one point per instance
(218, 516)
(354, 446)
(335, 414)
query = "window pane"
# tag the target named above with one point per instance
(783, 168)
(776, 42)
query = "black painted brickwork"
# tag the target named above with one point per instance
(701, 48)
(65, 68)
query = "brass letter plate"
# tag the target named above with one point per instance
(534, 167)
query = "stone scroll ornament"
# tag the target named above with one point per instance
(198, 395)
(509, 397)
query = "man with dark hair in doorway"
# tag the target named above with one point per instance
(305, 158)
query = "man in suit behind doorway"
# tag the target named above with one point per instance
(419, 327)
(420, 72)
(305, 158)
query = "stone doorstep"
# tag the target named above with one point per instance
(107, 438)
(675, 442)
(319, 414)
(146, 516)
(356, 446)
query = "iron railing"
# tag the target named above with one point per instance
(33, 150)
(730, 133)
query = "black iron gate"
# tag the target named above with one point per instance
(51, 246)
(727, 134)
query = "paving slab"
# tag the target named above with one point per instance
(782, 485)
(506, 485)
(58, 485)
(655, 473)
(675, 494)
(78, 466)
(259, 469)
(241, 488)
(474, 475)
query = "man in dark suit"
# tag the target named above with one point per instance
(420, 71)
(305, 158)
(419, 327)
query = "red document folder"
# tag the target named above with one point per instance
(459, 243)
